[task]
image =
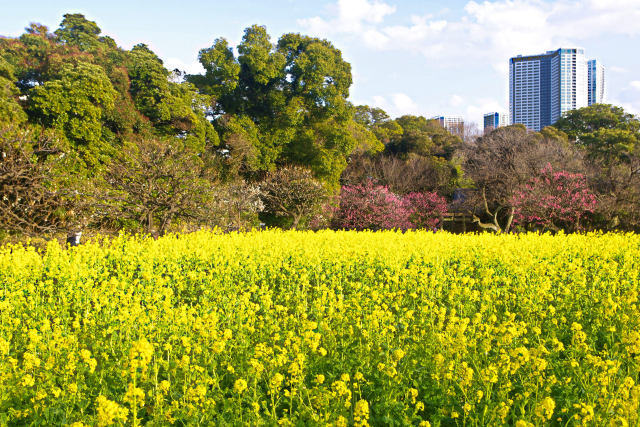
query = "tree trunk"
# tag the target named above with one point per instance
(486, 226)
(509, 220)
(296, 220)
(150, 228)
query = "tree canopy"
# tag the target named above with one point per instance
(95, 94)
(288, 100)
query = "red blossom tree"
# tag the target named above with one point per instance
(425, 210)
(374, 207)
(554, 200)
(370, 207)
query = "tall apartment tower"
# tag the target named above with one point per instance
(596, 82)
(543, 87)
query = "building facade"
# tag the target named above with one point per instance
(596, 82)
(543, 87)
(454, 124)
(495, 120)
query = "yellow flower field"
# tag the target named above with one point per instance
(340, 328)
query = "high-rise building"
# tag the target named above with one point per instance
(454, 124)
(596, 82)
(543, 87)
(495, 120)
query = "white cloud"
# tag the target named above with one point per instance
(403, 103)
(489, 30)
(350, 16)
(396, 104)
(635, 84)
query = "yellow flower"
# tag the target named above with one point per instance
(218, 347)
(134, 396)
(239, 386)
(398, 354)
(413, 393)
(109, 412)
(28, 380)
(361, 413)
(341, 421)
(545, 408)
(276, 380)
(319, 379)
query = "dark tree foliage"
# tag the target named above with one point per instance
(273, 104)
(418, 154)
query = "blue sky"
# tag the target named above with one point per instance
(408, 56)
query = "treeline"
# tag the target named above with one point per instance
(95, 137)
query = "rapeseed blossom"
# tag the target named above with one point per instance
(326, 328)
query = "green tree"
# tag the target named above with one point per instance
(423, 137)
(378, 122)
(75, 103)
(221, 75)
(294, 93)
(174, 109)
(76, 30)
(607, 132)
(10, 109)
(610, 138)
(316, 72)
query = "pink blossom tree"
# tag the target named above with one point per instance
(425, 210)
(374, 207)
(554, 200)
(370, 207)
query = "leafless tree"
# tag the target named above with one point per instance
(155, 182)
(31, 202)
(293, 193)
(617, 187)
(471, 132)
(236, 205)
(416, 173)
(504, 160)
